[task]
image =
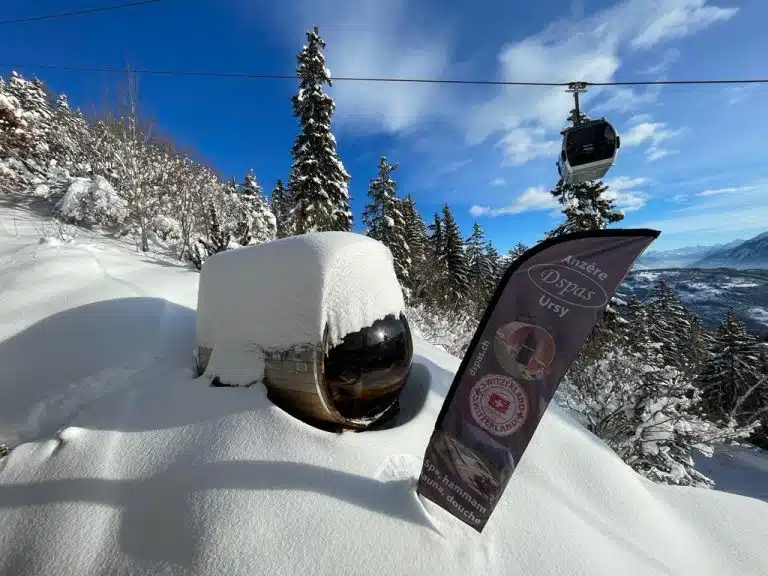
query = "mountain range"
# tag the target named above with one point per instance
(750, 254)
(739, 254)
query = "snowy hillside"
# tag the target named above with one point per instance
(123, 463)
(710, 293)
(750, 254)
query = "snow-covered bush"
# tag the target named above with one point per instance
(41, 191)
(92, 202)
(649, 413)
(452, 330)
(166, 228)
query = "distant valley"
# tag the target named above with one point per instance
(710, 293)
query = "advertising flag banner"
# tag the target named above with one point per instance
(540, 316)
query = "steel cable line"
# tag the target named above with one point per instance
(263, 76)
(79, 12)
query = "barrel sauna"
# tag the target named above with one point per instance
(353, 385)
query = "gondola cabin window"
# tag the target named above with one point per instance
(591, 143)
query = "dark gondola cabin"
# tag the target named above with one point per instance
(589, 150)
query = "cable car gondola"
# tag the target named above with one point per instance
(589, 146)
(589, 150)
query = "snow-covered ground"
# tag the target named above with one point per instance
(647, 276)
(759, 314)
(738, 470)
(124, 463)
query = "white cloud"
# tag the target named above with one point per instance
(729, 190)
(625, 99)
(638, 118)
(654, 134)
(654, 153)
(533, 198)
(452, 167)
(623, 191)
(721, 211)
(667, 20)
(738, 94)
(498, 182)
(670, 57)
(524, 144)
(678, 198)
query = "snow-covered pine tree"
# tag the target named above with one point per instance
(217, 239)
(733, 381)
(516, 251)
(455, 259)
(506, 260)
(437, 269)
(585, 207)
(669, 324)
(318, 182)
(475, 255)
(218, 236)
(495, 268)
(636, 333)
(383, 216)
(280, 208)
(69, 138)
(257, 222)
(436, 239)
(697, 345)
(26, 119)
(416, 238)
(482, 272)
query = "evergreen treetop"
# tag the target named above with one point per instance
(318, 182)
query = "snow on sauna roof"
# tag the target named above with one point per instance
(286, 292)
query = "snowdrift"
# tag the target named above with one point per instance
(124, 463)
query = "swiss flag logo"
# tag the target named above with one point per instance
(498, 403)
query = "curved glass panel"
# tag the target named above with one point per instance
(593, 142)
(367, 370)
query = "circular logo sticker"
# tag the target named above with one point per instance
(498, 404)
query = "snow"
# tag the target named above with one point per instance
(738, 469)
(740, 283)
(341, 280)
(130, 465)
(694, 291)
(91, 200)
(647, 276)
(42, 191)
(759, 314)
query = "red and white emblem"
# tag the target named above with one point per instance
(499, 404)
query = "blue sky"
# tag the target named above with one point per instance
(692, 162)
